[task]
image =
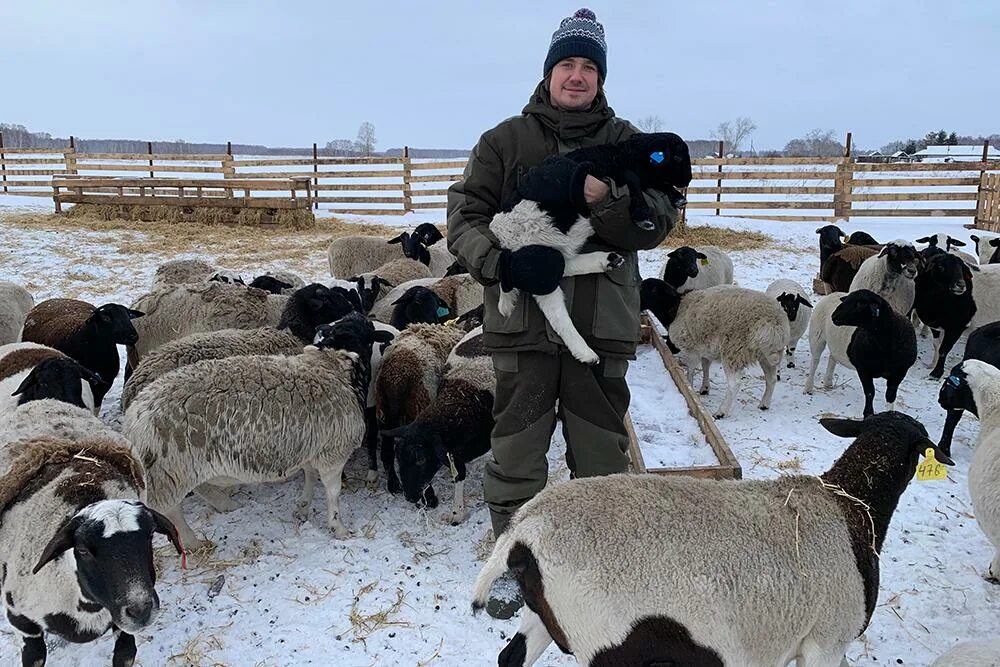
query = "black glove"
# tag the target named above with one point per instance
(536, 269)
(556, 183)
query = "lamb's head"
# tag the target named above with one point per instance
(943, 241)
(58, 378)
(831, 238)
(420, 453)
(861, 238)
(269, 284)
(111, 543)
(114, 321)
(413, 248)
(950, 272)
(313, 305)
(369, 288)
(227, 277)
(968, 380)
(790, 303)
(659, 298)
(661, 159)
(427, 234)
(418, 305)
(682, 264)
(901, 258)
(860, 308)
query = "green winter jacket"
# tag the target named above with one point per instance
(604, 307)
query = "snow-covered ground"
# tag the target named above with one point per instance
(275, 592)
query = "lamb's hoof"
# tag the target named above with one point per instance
(301, 513)
(718, 415)
(763, 407)
(703, 392)
(340, 531)
(587, 356)
(456, 518)
(615, 261)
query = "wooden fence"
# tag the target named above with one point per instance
(806, 189)
(988, 211)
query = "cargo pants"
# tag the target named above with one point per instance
(592, 401)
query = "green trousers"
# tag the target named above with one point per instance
(592, 401)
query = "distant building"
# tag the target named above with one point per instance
(900, 156)
(967, 153)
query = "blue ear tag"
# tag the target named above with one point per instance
(442, 312)
(954, 380)
(657, 158)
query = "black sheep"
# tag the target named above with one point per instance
(270, 284)
(955, 395)
(85, 333)
(682, 264)
(944, 302)
(861, 238)
(883, 345)
(418, 305)
(427, 234)
(830, 241)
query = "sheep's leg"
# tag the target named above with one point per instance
(217, 497)
(332, 482)
(706, 367)
(891, 387)
(388, 451)
(993, 573)
(507, 302)
(371, 444)
(950, 422)
(937, 346)
(689, 367)
(831, 364)
(770, 377)
(592, 262)
(948, 341)
(189, 540)
(868, 384)
(790, 351)
(733, 379)
(553, 306)
(815, 349)
(124, 655)
(812, 654)
(528, 645)
(304, 502)
(33, 650)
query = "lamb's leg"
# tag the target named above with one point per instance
(950, 422)
(815, 349)
(706, 368)
(190, 541)
(507, 302)
(592, 262)
(528, 644)
(868, 383)
(936, 333)
(831, 364)
(891, 387)
(32, 640)
(305, 500)
(948, 341)
(733, 379)
(458, 511)
(791, 356)
(124, 655)
(388, 452)
(217, 497)
(331, 480)
(770, 377)
(553, 306)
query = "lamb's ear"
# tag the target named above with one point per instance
(399, 239)
(136, 314)
(819, 230)
(844, 428)
(60, 542)
(804, 301)
(956, 242)
(975, 238)
(701, 255)
(165, 526)
(995, 242)
(926, 239)
(383, 336)
(28, 381)
(885, 250)
(927, 443)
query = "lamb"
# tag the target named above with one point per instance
(278, 282)
(840, 268)
(29, 372)
(454, 429)
(987, 248)
(790, 295)
(690, 268)
(982, 653)
(770, 570)
(831, 238)
(408, 381)
(735, 325)
(219, 421)
(861, 238)
(88, 334)
(81, 497)
(944, 302)
(890, 274)
(863, 333)
(175, 312)
(306, 309)
(945, 243)
(983, 344)
(983, 382)
(180, 271)
(15, 303)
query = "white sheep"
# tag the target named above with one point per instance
(982, 653)
(30, 371)
(701, 267)
(730, 324)
(354, 255)
(790, 295)
(950, 245)
(180, 271)
(890, 274)
(461, 292)
(51, 418)
(15, 302)
(687, 571)
(986, 294)
(217, 421)
(986, 248)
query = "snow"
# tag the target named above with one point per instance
(288, 591)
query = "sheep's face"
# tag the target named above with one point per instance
(111, 544)
(427, 233)
(682, 264)
(324, 304)
(661, 159)
(413, 248)
(369, 288)
(948, 271)
(115, 320)
(419, 457)
(956, 394)
(270, 284)
(61, 379)
(574, 83)
(790, 304)
(659, 298)
(831, 236)
(901, 259)
(419, 305)
(859, 309)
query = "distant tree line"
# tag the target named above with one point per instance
(939, 138)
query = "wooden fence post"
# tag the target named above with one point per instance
(315, 176)
(228, 170)
(70, 156)
(718, 183)
(407, 173)
(981, 192)
(149, 149)
(3, 167)
(843, 184)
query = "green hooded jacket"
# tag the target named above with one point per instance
(604, 307)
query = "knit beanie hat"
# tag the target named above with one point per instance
(581, 36)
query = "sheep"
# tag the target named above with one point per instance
(983, 382)
(88, 334)
(987, 248)
(75, 544)
(861, 238)
(408, 381)
(29, 372)
(454, 429)
(790, 295)
(890, 274)
(982, 653)
(427, 234)
(690, 268)
(945, 243)
(221, 419)
(461, 293)
(397, 272)
(278, 282)
(15, 303)
(180, 271)
(944, 302)
(174, 312)
(419, 305)
(53, 418)
(306, 309)
(986, 294)
(734, 325)
(691, 571)
(840, 268)
(983, 344)
(354, 255)
(865, 334)
(831, 240)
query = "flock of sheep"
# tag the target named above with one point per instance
(389, 353)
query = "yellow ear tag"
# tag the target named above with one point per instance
(930, 469)
(704, 262)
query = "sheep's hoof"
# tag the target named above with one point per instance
(614, 261)
(703, 392)
(992, 578)
(301, 513)
(456, 518)
(791, 364)
(718, 415)
(340, 531)
(763, 407)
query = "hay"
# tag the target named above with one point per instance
(723, 237)
(364, 625)
(299, 218)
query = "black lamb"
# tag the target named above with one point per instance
(955, 396)
(944, 302)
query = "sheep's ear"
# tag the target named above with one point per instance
(884, 251)
(383, 336)
(165, 526)
(63, 540)
(819, 230)
(25, 383)
(956, 242)
(971, 267)
(844, 428)
(927, 443)
(399, 239)
(974, 238)
(926, 239)
(406, 298)
(386, 283)
(134, 314)
(701, 255)
(995, 242)
(804, 301)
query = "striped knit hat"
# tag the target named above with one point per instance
(581, 36)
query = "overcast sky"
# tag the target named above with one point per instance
(437, 74)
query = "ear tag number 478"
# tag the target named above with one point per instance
(930, 469)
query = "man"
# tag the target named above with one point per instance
(567, 111)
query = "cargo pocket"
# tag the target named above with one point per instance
(616, 310)
(494, 322)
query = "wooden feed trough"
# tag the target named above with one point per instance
(728, 467)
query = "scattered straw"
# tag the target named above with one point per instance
(437, 654)
(833, 488)
(484, 546)
(723, 237)
(364, 625)
(194, 653)
(794, 463)
(300, 218)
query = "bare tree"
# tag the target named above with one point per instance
(342, 147)
(816, 143)
(733, 133)
(366, 139)
(650, 124)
